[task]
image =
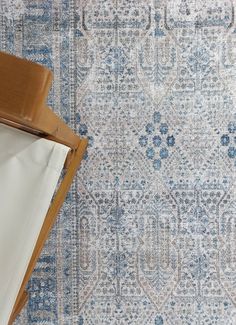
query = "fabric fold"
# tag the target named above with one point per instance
(30, 168)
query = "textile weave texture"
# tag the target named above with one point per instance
(147, 235)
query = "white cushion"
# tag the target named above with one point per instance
(30, 168)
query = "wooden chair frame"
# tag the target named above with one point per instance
(35, 117)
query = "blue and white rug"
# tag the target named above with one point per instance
(147, 235)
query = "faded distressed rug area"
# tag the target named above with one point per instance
(147, 235)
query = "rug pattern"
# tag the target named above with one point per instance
(147, 234)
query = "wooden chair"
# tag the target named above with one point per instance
(24, 87)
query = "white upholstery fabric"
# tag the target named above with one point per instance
(30, 168)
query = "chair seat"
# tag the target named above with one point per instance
(30, 168)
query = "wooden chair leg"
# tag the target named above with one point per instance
(22, 301)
